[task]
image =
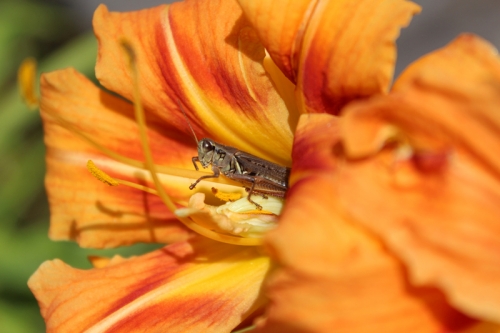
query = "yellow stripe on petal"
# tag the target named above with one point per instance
(196, 286)
(230, 98)
(234, 98)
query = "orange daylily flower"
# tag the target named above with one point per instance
(244, 72)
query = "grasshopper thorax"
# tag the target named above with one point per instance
(206, 151)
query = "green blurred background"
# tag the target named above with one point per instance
(53, 33)
(58, 35)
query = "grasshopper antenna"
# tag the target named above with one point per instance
(187, 120)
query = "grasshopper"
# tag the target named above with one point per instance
(257, 175)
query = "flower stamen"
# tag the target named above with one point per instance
(26, 77)
(149, 164)
(107, 179)
(101, 175)
(160, 169)
(226, 196)
(141, 121)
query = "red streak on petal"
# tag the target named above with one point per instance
(171, 82)
(431, 161)
(315, 151)
(157, 275)
(212, 54)
(180, 315)
(316, 93)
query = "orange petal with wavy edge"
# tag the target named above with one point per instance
(83, 208)
(348, 51)
(205, 55)
(336, 276)
(195, 286)
(437, 208)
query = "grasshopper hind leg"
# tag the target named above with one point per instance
(249, 198)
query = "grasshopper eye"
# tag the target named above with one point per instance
(207, 145)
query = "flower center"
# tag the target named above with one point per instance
(236, 222)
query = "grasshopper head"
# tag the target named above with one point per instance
(206, 150)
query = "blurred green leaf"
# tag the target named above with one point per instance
(25, 179)
(15, 117)
(18, 317)
(24, 244)
(28, 248)
(27, 28)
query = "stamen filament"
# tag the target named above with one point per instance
(149, 164)
(141, 122)
(179, 172)
(137, 186)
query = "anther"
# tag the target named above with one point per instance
(226, 196)
(26, 77)
(101, 175)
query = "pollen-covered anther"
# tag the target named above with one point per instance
(226, 196)
(101, 175)
(107, 179)
(26, 77)
(239, 218)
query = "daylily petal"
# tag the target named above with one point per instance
(333, 275)
(195, 286)
(336, 51)
(84, 209)
(206, 55)
(281, 31)
(349, 51)
(482, 327)
(437, 207)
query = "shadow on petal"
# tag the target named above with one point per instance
(437, 204)
(339, 276)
